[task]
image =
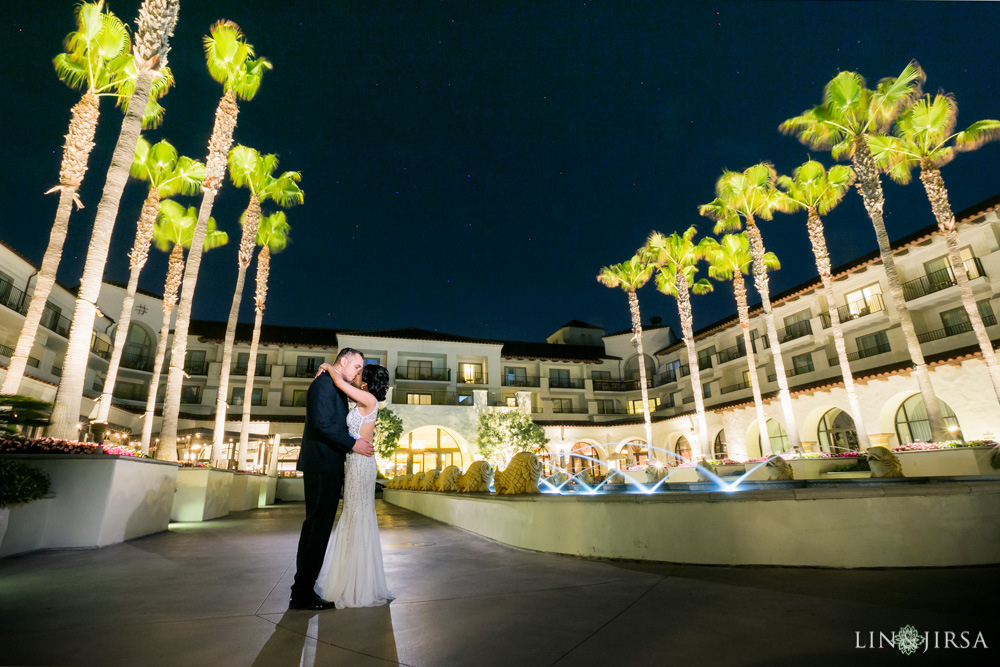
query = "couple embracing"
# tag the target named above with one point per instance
(343, 569)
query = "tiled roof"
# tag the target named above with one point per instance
(645, 327)
(419, 334)
(269, 333)
(580, 325)
(549, 351)
(138, 290)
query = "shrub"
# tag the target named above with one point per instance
(20, 483)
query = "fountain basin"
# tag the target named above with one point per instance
(851, 524)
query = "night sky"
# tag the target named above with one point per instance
(470, 166)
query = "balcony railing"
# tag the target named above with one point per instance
(856, 309)
(621, 385)
(54, 321)
(261, 370)
(685, 370)
(428, 374)
(566, 383)
(666, 377)
(802, 370)
(881, 348)
(401, 397)
(954, 330)
(294, 402)
(520, 381)
(101, 348)
(936, 281)
(796, 330)
(196, 367)
(13, 298)
(254, 400)
(130, 392)
(665, 405)
(705, 362)
(188, 398)
(6, 351)
(298, 372)
(471, 379)
(731, 354)
(735, 387)
(617, 410)
(571, 410)
(137, 361)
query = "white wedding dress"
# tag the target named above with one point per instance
(352, 574)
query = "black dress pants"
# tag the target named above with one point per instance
(322, 491)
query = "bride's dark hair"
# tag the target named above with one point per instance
(377, 379)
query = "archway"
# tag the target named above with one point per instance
(634, 454)
(719, 449)
(682, 451)
(427, 448)
(775, 433)
(912, 424)
(631, 368)
(545, 458)
(584, 456)
(836, 432)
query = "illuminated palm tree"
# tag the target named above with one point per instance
(231, 62)
(272, 237)
(155, 25)
(249, 169)
(631, 275)
(731, 259)
(174, 230)
(849, 114)
(168, 174)
(677, 258)
(98, 62)
(741, 198)
(924, 135)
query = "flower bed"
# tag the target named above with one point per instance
(947, 459)
(20, 445)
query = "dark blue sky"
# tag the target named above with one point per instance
(470, 166)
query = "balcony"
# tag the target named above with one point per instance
(521, 381)
(617, 410)
(954, 330)
(855, 310)
(130, 392)
(566, 383)
(570, 410)
(100, 347)
(881, 348)
(299, 402)
(939, 280)
(237, 401)
(261, 370)
(13, 298)
(55, 322)
(6, 351)
(803, 369)
(298, 372)
(731, 354)
(440, 397)
(620, 385)
(475, 378)
(735, 387)
(137, 361)
(666, 377)
(423, 373)
(796, 330)
(196, 367)
(191, 398)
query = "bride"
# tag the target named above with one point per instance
(352, 574)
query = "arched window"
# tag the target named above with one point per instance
(139, 343)
(634, 454)
(545, 458)
(837, 433)
(778, 437)
(912, 424)
(425, 449)
(682, 451)
(719, 450)
(632, 368)
(582, 456)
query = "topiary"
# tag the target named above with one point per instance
(20, 483)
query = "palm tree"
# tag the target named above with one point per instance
(174, 230)
(742, 198)
(631, 275)
(97, 62)
(231, 62)
(730, 259)
(677, 257)
(167, 174)
(249, 169)
(924, 135)
(812, 188)
(272, 237)
(849, 114)
(155, 26)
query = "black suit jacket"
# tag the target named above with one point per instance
(325, 441)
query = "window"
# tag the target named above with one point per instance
(800, 316)
(864, 301)
(194, 359)
(754, 337)
(939, 271)
(469, 373)
(559, 376)
(682, 451)
(138, 344)
(913, 425)
(419, 369)
(191, 394)
(562, 405)
(606, 406)
(516, 377)
(803, 363)
(418, 399)
(635, 407)
(836, 432)
(256, 398)
(299, 397)
(956, 320)
(465, 399)
(872, 344)
(632, 367)
(778, 437)
(746, 378)
(986, 312)
(706, 390)
(601, 376)
(511, 401)
(634, 454)
(304, 367)
(705, 357)
(719, 450)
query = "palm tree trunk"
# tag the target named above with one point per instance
(740, 291)
(137, 260)
(175, 270)
(76, 153)
(66, 412)
(250, 223)
(760, 281)
(818, 240)
(263, 271)
(633, 307)
(687, 329)
(215, 171)
(870, 187)
(937, 193)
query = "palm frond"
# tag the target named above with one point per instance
(138, 168)
(977, 134)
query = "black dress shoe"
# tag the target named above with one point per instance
(314, 603)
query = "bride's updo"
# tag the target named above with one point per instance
(377, 379)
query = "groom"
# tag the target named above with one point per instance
(325, 444)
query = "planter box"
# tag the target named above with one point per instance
(268, 488)
(733, 471)
(815, 468)
(757, 472)
(97, 500)
(854, 474)
(686, 474)
(202, 494)
(958, 461)
(290, 490)
(244, 494)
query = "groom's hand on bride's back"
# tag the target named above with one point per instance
(363, 447)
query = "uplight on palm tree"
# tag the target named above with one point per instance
(730, 258)
(249, 169)
(924, 136)
(168, 174)
(742, 198)
(849, 114)
(677, 258)
(231, 61)
(631, 275)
